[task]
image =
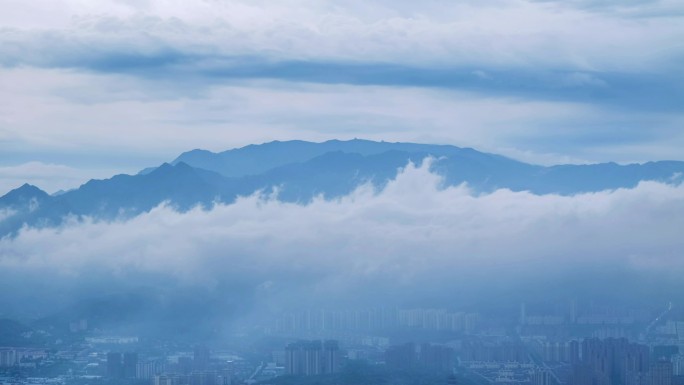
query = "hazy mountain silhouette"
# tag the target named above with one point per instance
(302, 170)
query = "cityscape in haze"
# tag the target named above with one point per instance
(300, 192)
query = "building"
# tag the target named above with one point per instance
(8, 357)
(130, 363)
(165, 379)
(661, 372)
(310, 358)
(500, 351)
(612, 361)
(114, 365)
(331, 356)
(401, 356)
(185, 365)
(436, 357)
(678, 365)
(147, 370)
(542, 376)
(555, 351)
(204, 378)
(202, 357)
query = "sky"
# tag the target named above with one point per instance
(90, 89)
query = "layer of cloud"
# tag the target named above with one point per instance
(536, 50)
(413, 238)
(508, 33)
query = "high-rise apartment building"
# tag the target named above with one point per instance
(661, 372)
(309, 358)
(114, 365)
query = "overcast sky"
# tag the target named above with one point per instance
(90, 89)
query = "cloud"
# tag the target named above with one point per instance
(6, 213)
(413, 240)
(626, 8)
(502, 34)
(102, 83)
(581, 79)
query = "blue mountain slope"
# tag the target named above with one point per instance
(123, 195)
(571, 179)
(25, 195)
(303, 170)
(332, 174)
(29, 205)
(257, 159)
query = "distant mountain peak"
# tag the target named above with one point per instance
(167, 170)
(302, 170)
(198, 151)
(165, 166)
(28, 187)
(25, 191)
(182, 165)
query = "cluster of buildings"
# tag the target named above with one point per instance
(439, 319)
(589, 321)
(590, 361)
(557, 344)
(195, 378)
(127, 366)
(196, 370)
(122, 365)
(425, 356)
(556, 351)
(507, 350)
(20, 356)
(309, 358)
(619, 362)
(376, 319)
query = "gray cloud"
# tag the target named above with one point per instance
(503, 34)
(413, 238)
(626, 8)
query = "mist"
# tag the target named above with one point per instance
(414, 242)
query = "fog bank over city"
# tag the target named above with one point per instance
(414, 241)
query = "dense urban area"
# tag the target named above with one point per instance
(570, 343)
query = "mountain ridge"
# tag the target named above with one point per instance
(302, 170)
(262, 157)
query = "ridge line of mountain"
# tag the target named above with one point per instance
(302, 170)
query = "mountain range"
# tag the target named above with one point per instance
(302, 170)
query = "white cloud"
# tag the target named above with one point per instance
(413, 234)
(6, 213)
(503, 33)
